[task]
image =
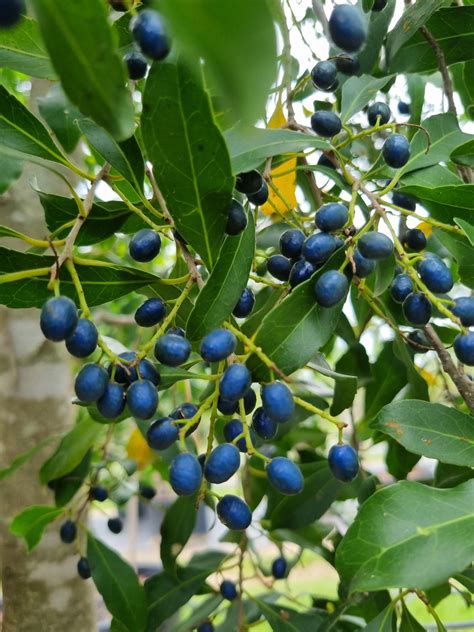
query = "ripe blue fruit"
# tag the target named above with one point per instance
(228, 590)
(236, 218)
(319, 247)
(364, 266)
(148, 372)
(260, 197)
(325, 123)
(330, 288)
(206, 626)
(464, 348)
(112, 402)
(172, 350)
(417, 308)
(277, 401)
(233, 429)
(144, 245)
(331, 217)
(404, 107)
(279, 267)
(178, 331)
(68, 532)
(418, 341)
(324, 75)
(83, 340)
(11, 12)
(300, 272)
(229, 407)
(146, 491)
(218, 345)
(142, 399)
(58, 318)
(375, 245)
(162, 433)
(343, 462)
(324, 161)
(150, 313)
(128, 373)
(235, 382)
(115, 525)
(291, 242)
(149, 33)
(401, 287)
(378, 111)
(137, 65)
(279, 568)
(185, 474)
(379, 5)
(347, 64)
(347, 28)
(285, 476)
(99, 493)
(436, 275)
(415, 240)
(222, 463)
(250, 399)
(83, 568)
(396, 151)
(91, 383)
(263, 425)
(464, 309)
(245, 304)
(184, 411)
(404, 201)
(249, 182)
(234, 513)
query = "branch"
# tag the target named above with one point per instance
(442, 67)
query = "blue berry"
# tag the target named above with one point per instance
(222, 463)
(401, 287)
(115, 525)
(126, 373)
(415, 240)
(464, 310)
(229, 407)
(324, 161)
(99, 493)
(263, 425)
(58, 318)
(177, 331)
(68, 532)
(347, 28)
(324, 75)
(404, 201)
(331, 288)
(185, 474)
(347, 64)
(249, 182)
(142, 399)
(375, 245)
(404, 107)
(234, 513)
(218, 345)
(417, 309)
(277, 401)
(137, 65)
(260, 197)
(396, 151)
(364, 266)
(250, 399)
(228, 590)
(83, 340)
(11, 12)
(332, 217)
(301, 271)
(184, 411)
(235, 382)
(144, 245)
(206, 626)
(343, 462)
(326, 123)
(162, 433)
(436, 275)
(83, 568)
(418, 341)
(91, 383)
(464, 348)
(379, 111)
(279, 267)
(148, 372)
(319, 247)
(146, 491)
(279, 568)
(236, 218)
(245, 304)
(285, 476)
(150, 313)
(172, 350)
(291, 243)
(112, 402)
(233, 429)
(149, 33)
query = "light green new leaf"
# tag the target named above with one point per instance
(32, 521)
(357, 92)
(22, 49)
(406, 535)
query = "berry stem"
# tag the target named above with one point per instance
(428, 220)
(10, 277)
(318, 411)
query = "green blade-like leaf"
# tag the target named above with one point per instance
(60, 114)
(189, 156)
(383, 622)
(283, 619)
(176, 529)
(408, 623)
(357, 92)
(461, 250)
(464, 154)
(401, 534)
(429, 429)
(226, 283)
(84, 54)
(199, 614)
(377, 31)
(354, 369)
(32, 521)
(446, 202)
(66, 486)
(22, 49)
(467, 228)
(118, 584)
(463, 77)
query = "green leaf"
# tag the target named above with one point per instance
(464, 154)
(60, 115)
(377, 31)
(400, 462)
(170, 375)
(384, 273)
(383, 622)
(416, 91)
(463, 77)
(71, 450)
(283, 619)
(354, 364)
(79, 40)
(32, 521)
(199, 614)
(401, 534)
(367, 5)
(445, 202)
(434, 176)
(249, 147)
(467, 228)
(408, 622)
(461, 250)
(466, 578)
(452, 28)
(176, 529)
(429, 429)
(225, 284)
(357, 92)
(189, 156)
(22, 132)
(418, 386)
(24, 457)
(451, 475)
(389, 377)
(243, 80)
(66, 487)
(10, 170)
(118, 584)
(22, 49)
(296, 328)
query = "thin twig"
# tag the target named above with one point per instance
(319, 11)
(442, 67)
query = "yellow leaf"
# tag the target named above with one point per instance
(429, 378)
(426, 228)
(139, 450)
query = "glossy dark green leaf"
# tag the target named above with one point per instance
(22, 49)
(464, 154)
(418, 387)
(61, 116)
(400, 461)
(434, 176)
(466, 578)
(170, 375)
(389, 377)
(225, 284)
(357, 92)
(176, 529)
(84, 54)
(118, 584)
(429, 429)
(416, 91)
(383, 622)
(354, 363)
(23, 458)
(461, 250)
(408, 623)
(10, 170)
(384, 273)
(377, 31)
(447, 475)
(463, 77)
(189, 156)
(67, 486)
(467, 228)
(446, 202)
(32, 521)
(389, 546)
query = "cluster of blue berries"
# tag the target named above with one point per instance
(11, 12)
